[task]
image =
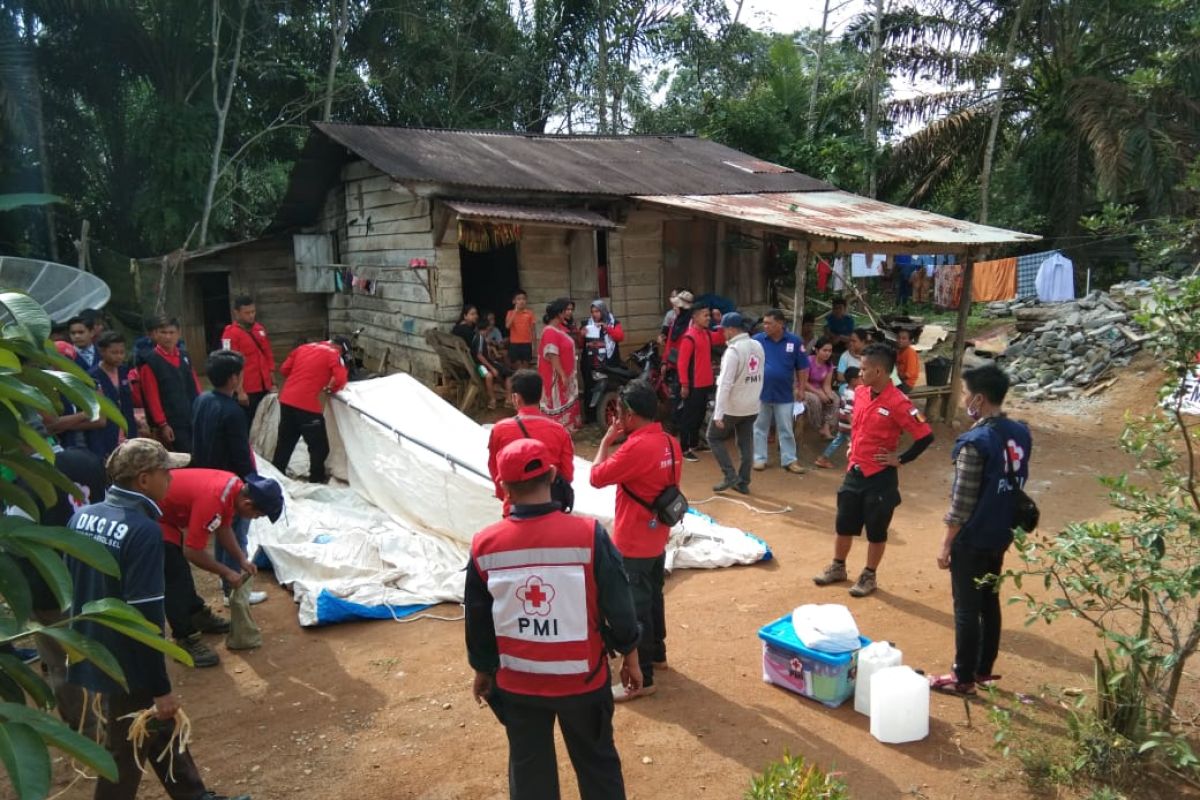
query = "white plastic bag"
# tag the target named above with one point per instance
(829, 628)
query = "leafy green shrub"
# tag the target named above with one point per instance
(793, 778)
(1136, 579)
(35, 378)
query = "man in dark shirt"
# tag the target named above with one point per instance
(221, 440)
(546, 599)
(124, 523)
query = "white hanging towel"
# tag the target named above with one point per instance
(840, 281)
(1056, 279)
(829, 628)
(863, 265)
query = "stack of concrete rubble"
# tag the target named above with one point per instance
(1065, 348)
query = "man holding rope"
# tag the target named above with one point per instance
(125, 523)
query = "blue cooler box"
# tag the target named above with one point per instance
(825, 677)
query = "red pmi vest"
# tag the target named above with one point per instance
(540, 574)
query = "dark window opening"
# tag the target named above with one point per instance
(489, 279)
(602, 262)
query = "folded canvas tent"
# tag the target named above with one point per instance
(395, 539)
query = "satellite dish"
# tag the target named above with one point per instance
(63, 291)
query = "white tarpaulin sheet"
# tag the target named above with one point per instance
(418, 491)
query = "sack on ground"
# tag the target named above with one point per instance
(243, 632)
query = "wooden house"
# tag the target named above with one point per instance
(399, 227)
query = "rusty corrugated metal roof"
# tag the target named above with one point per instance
(841, 216)
(561, 217)
(616, 166)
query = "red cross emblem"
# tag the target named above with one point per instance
(536, 596)
(753, 363)
(1016, 454)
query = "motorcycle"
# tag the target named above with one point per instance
(608, 379)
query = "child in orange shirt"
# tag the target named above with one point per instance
(520, 321)
(908, 363)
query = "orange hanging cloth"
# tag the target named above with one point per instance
(994, 280)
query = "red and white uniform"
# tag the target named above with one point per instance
(310, 369)
(539, 572)
(877, 425)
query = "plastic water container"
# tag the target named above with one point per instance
(899, 705)
(871, 659)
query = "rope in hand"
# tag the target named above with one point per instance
(139, 730)
(779, 509)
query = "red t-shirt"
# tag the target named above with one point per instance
(310, 369)
(198, 503)
(877, 425)
(255, 347)
(548, 431)
(643, 464)
(150, 396)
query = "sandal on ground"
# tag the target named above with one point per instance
(823, 463)
(949, 684)
(987, 680)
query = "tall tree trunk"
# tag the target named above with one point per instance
(602, 66)
(872, 126)
(738, 14)
(816, 79)
(39, 136)
(989, 151)
(221, 106)
(341, 23)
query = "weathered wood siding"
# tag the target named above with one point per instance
(385, 228)
(265, 270)
(635, 254)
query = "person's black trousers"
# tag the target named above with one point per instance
(295, 423)
(586, 724)
(187, 785)
(741, 428)
(646, 578)
(180, 601)
(691, 417)
(183, 439)
(976, 611)
(251, 407)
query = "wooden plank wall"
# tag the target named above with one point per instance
(635, 254)
(265, 270)
(385, 228)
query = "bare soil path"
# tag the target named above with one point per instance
(381, 710)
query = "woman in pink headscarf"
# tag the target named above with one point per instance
(556, 365)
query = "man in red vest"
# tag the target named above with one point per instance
(246, 336)
(310, 372)
(546, 600)
(531, 423)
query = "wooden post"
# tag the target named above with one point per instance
(960, 338)
(801, 248)
(720, 272)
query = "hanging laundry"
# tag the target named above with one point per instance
(994, 280)
(824, 271)
(1056, 279)
(840, 281)
(947, 287)
(861, 267)
(1027, 270)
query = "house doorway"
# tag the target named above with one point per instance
(489, 279)
(206, 313)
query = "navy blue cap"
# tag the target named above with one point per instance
(266, 494)
(733, 320)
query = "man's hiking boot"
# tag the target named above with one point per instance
(728, 483)
(202, 655)
(206, 621)
(864, 585)
(834, 573)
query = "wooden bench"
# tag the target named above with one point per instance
(458, 368)
(933, 396)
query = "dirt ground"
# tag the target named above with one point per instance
(383, 710)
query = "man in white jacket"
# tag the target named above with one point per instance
(738, 389)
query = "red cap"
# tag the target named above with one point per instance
(523, 460)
